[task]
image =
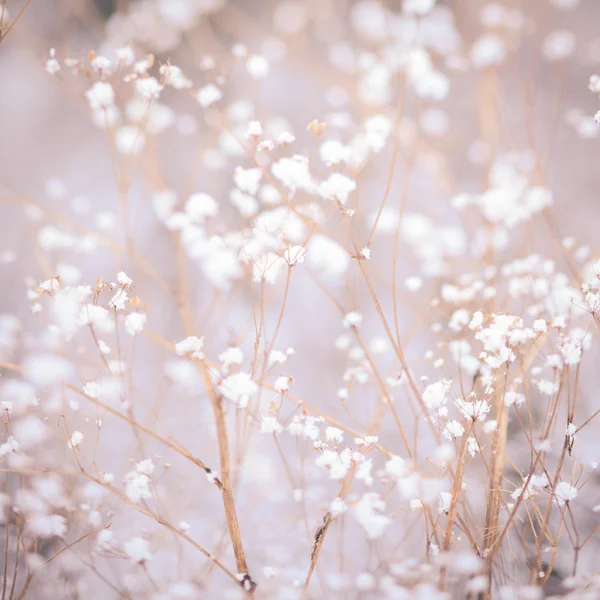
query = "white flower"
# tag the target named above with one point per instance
(475, 410)
(435, 394)
(52, 66)
(184, 526)
(266, 146)
(200, 206)
(282, 384)
(270, 424)
(137, 484)
(284, 138)
(49, 285)
(536, 483)
(118, 300)
(192, 346)
(238, 388)
(208, 95)
(459, 319)
(366, 512)
(472, 446)
(247, 180)
(231, 356)
(146, 467)
(564, 493)
(174, 77)
(148, 88)
(254, 130)
(293, 173)
(100, 95)
(76, 439)
(294, 255)
(92, 389)
(101, 63)
(125, 55)
(46, 526)
(137, 549)
(134, 322)
(333, 434)
(476, 320)
(10, 446)
(333, 152)
(337, 187)
(453, 430)
(276, 357)
(338, 463)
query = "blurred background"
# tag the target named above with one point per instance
(57, 172)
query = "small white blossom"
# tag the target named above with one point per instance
(282, 384)
(270, 424)
(284, 138)
(100, 95)
(76, 439)
(333, 434)
(137, 549)
(367, 513)
(337, 187)
(238, 388)
(231, 356)
(254, 130)
(135, 322)
(208, 95)
(191, 346)
(338, 507)
(453, 430)
(564, 493)
(294, 255)
(52, 65)
(247, 180)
